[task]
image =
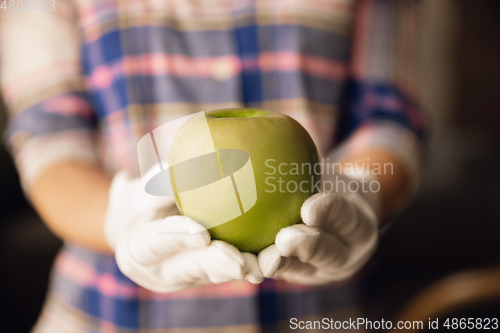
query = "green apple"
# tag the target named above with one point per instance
(269, 199)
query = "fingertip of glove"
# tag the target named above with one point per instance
(269, 261)
(295, 239)
(316, 208)
(229, 250)
(253, 279)
(227, 260)
(254, 274)
(309, 208)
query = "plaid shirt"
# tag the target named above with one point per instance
(86, 81)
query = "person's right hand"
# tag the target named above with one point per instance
(167, 254)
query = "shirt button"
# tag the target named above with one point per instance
(222, 69)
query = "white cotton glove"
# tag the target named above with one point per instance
(338, 236)
(167, 254)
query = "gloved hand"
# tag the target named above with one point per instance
(167, 254)
(338, 236)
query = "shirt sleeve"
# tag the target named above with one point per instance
(50, 116)
(381, 107)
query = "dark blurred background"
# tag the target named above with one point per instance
(452, 226)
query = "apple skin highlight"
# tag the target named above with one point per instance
(266, 136)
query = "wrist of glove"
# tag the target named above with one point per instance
(338, 235)
(167, 254)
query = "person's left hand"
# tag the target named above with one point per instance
(338, 236)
